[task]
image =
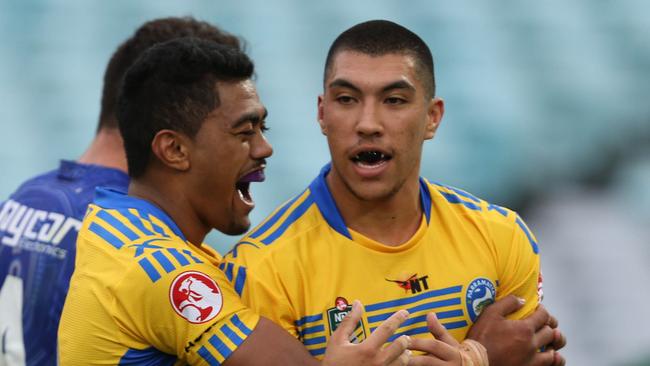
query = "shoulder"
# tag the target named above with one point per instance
(502, 223)
(445, 197)
(282, 231)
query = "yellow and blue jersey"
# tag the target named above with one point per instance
(302, 266)
(142, 294)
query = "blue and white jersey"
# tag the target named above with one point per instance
(38, 232)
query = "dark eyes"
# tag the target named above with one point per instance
(252, 130)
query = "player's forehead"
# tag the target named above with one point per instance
(365, 70)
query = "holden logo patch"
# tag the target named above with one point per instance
(480, 293)
(196, 297)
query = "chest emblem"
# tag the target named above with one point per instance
(336, 315)
(195, 297)
(480, 293)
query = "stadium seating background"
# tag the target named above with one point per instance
(546, 112)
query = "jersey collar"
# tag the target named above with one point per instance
(112, 199)
(325, 202)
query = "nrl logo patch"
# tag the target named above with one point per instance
(336, 315)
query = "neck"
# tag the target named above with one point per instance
(391, 220)
(169, 197)
(106, 149)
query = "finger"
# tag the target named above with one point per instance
(543, 337)
(559, 340)
(386, 329)
(543, 358)
(506, 306)
(552, 321)
(539, 318)
(434, 348)
(348, 324)
(558, 360)
(402, 359)
(426, 360)
(396, 349)
(439, 331)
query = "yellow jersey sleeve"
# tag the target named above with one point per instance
(518, 263)
(193, 313)
(261, 289)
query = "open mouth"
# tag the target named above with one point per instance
(371, 158)
(243, 185)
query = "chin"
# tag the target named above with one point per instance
(237, 228)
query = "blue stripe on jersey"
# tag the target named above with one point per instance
(146, 357)
(208, 357)
(312, 341)
(106, 235)
(310, 330)
(308, 319)
(532, 242)
(452, 198)
(166, 264)
(465, 194)
(317, 351)
(136, 221)
(189, 253)
(234, 338)
(498, 208)
(425, 306)
(293, 216)
(240, 280)
(228, 271)
(155, 227)
(325, 202)
(220, 346)
(182, 260)
(234, 249)
(273, 219)
(425, 199)
(117, 224)
(149, 269)
(410, 332)
(454, 325)
(410, 300)
(240, 325)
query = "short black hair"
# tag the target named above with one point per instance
(381, 37)
(173, 86)
(149, 34)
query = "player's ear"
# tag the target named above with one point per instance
(172, 149)
(435, 110)
(323, 128)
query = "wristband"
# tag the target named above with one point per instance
(472, 353)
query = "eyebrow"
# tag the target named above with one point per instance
(400, 84)
(252, 117)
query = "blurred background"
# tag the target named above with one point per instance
(546, 112)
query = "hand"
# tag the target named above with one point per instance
(441, 351)
(517, 342)
(340, 351)
(559, 341)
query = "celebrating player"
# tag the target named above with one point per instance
(370, 227)
(145, 290)
(40, 221)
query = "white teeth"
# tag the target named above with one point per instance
(243, 198)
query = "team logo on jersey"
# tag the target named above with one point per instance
(195, 297)
(414, 283)
(480, 293)
(336, 315)
(540, 287)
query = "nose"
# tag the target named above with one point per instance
(261, 148)
(369, 122)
